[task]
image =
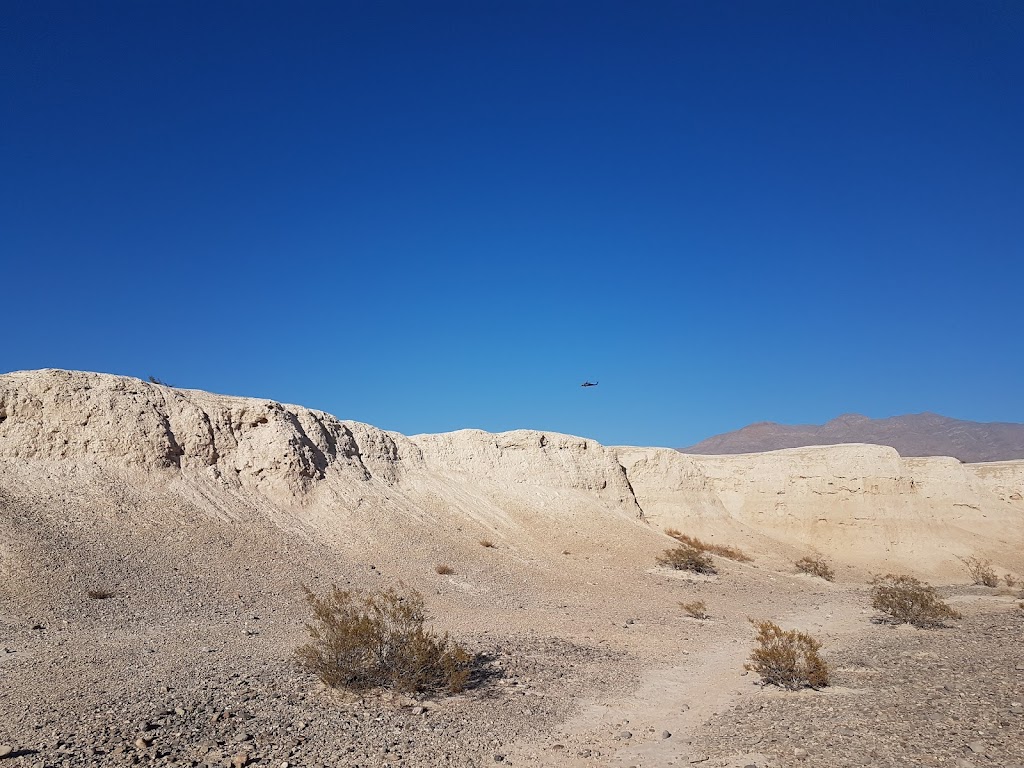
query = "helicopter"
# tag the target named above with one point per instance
(589, 383)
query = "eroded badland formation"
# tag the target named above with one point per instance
(203, 515)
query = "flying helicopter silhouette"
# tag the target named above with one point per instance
(589, 383)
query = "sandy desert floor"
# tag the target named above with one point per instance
(191, 664)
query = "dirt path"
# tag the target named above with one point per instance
(660, 723)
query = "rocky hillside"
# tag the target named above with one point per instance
(238, 458)
(921, 434)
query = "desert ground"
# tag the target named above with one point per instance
(199, 517)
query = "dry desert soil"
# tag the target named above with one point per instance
(154, 543)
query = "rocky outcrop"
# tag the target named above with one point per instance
(69, 415)
(855, 501)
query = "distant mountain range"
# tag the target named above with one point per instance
(919, 434)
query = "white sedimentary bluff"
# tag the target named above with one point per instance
(860, 504)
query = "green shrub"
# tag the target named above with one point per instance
(363, 641)
(787, 659)
(816, 566)
(687, 558)
(905, 600)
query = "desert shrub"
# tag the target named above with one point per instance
(697, 609)
(722, 550)
(1010, 581)
(444, 569)
(378, 640)
(99, 594)
(816, 566)
(687, 558)
(981, 571)
(487, 543)
(787, 659)
(905, 600)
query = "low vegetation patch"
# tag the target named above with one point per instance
(981, 571)
(816, 566)
(787, 659)
(100, 594)
(1010, 581)
(905, 600)
(365, 641)
(732, 553)
(687, 558)
(444, 569)
(697, 609)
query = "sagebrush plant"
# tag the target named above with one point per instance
(816, 566)
(687, 558)
(363, 641)
(981, 571)
(722, 550)
(444, 569)
(697, 609)
(906, 600)
(788, 659)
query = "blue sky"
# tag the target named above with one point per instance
(438, 215)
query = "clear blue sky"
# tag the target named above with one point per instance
(437, 215)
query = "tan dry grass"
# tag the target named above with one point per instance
(722, 550)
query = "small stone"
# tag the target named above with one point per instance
(625, 735)
(976, 747)
(800, 753)
(143, 742)
(666, 734)
(240, 759)
(5, 750)
(499, 758)
(179, 711)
